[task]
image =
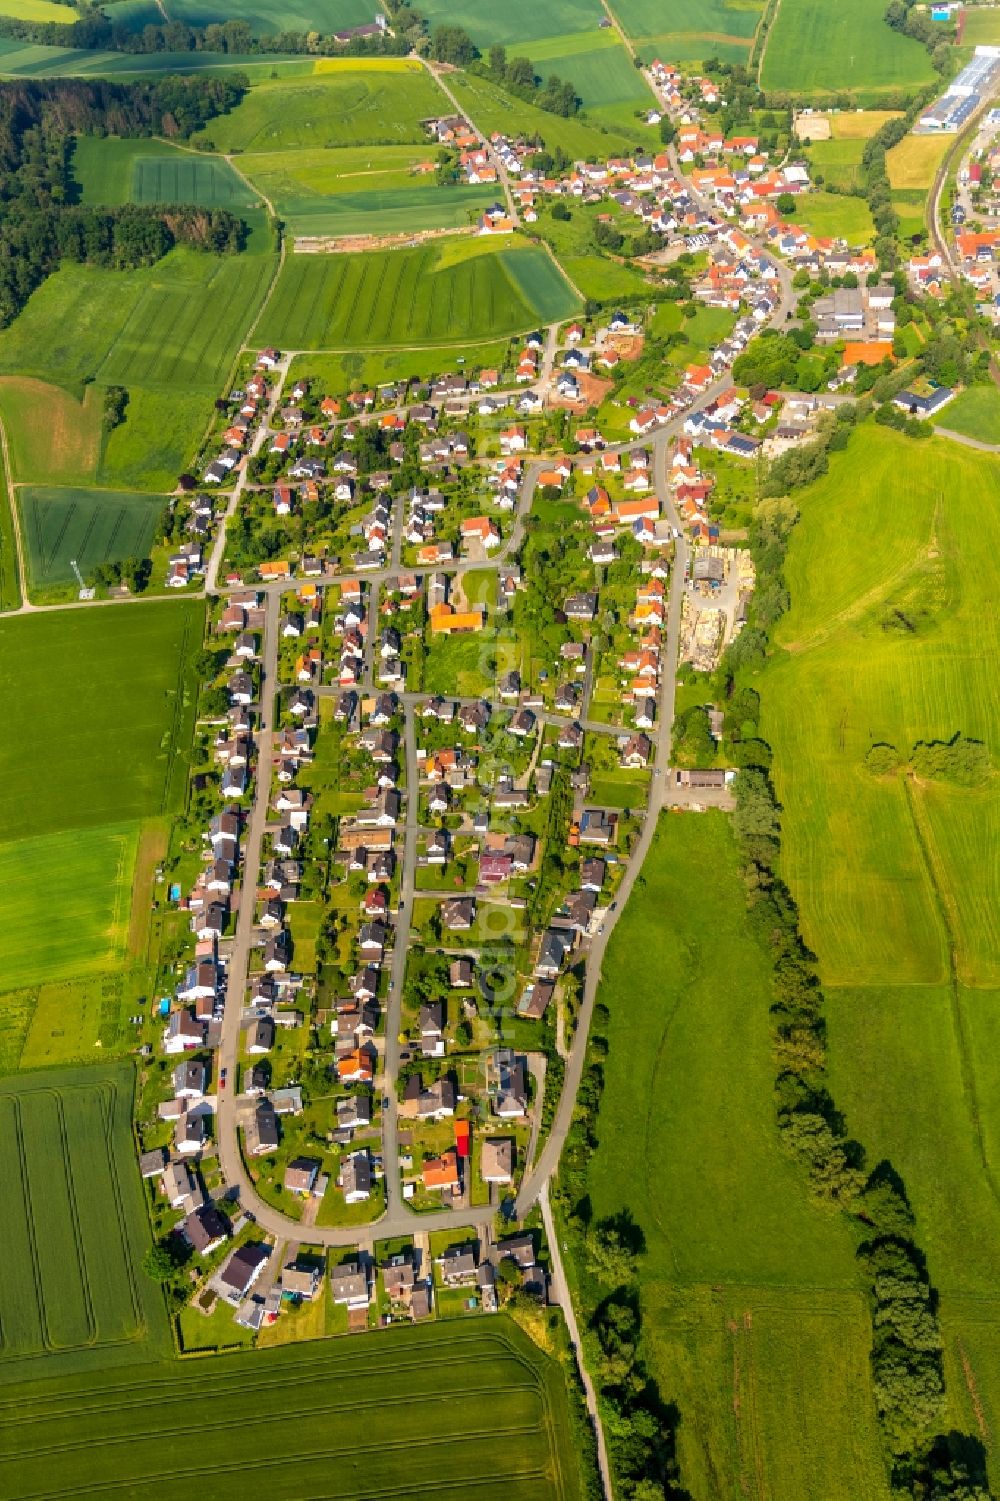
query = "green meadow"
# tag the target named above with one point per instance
(892, 637)
(754, 1323)
(99, 733)
(675, 31)
(976, 413)
(66, 903)
(837, 47)
(429, 295)
(494, 109)
(266, 17)
(608, 84)
(338, 374)
(346, 103)
(518, 23)
(168, 333)
(837, 215)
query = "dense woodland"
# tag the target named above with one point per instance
(41, 225)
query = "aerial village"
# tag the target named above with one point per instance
(436, 697)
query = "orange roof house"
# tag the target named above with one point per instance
(442, 1172)
(446, 621)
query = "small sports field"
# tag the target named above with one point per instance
(90, 526)
(468, 1409)
(74, 1228)
(436, 293)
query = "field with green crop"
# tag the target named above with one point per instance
(99, 706)
(494, 109)
(350, 103)
(610, 87)
(485, 1415)
(982, 27)
(168, 333)
(890, 637)
(266, 16)
(976, 413)
(38, 10)
(362, 190)
(677, 32)
(65, 903)
(753, 1319)
(37, 60)
(435, 293)
(518, 23)
(10, 581)
(839, 47)
(74, 1228)
(110, 170)
(85, 526)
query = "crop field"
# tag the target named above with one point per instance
(64, 901)
(349, 104)
(110, 714)
(494, 109)
(37, 60)
(517, 23)
(176, 324)
(855, 124)
(600, 69)
(867, 857)
(914, 162)
(839, 46)
(37, 10)
(675, 31)
(52, 438)
(266, 16)
(86, 526)
(366, 190)
(422, 296)
(72, 1295)
(110, 170)
(485, 1415)
(753, 1319)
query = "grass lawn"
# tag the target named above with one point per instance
(838, 161)
(487, 1415)
(835, 214)
(52, 437)
(914, 162)
(840, 47)
(461, 664)
(86, 526)
(752, 1314)
(107, 695)
(982, 27)
(428, 295)
(912, 613)
(217, 1330)
(75, 1228)
(349, 103)
(976, 413)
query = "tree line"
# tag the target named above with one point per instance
(453, 45)
(40, 224)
